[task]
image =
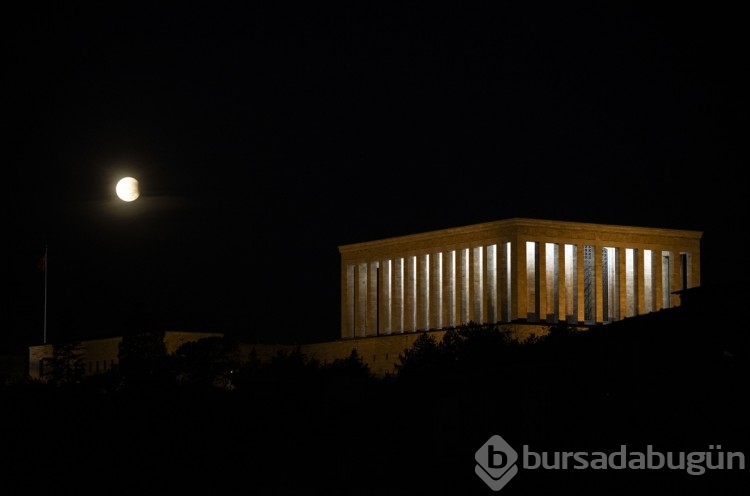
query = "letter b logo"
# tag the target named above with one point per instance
(493, 456)
(496, 462)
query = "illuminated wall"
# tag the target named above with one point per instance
(515, 270)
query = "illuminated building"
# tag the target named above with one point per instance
(513, 271)
(522, 274)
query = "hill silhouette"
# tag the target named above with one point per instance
(675, 380)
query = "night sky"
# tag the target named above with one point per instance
(265, 136)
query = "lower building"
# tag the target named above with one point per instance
(101, 355)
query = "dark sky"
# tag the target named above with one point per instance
(265, 136)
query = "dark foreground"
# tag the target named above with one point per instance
(681, 392)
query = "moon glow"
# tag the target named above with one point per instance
(127, 189)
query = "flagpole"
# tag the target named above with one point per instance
(45, 295)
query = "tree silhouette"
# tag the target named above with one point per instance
(66, 365)
(352, 366)
(467, 351)
(207, 362)
(292, 364)
(422, 357)
(143, 359)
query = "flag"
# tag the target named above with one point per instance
(42, 263)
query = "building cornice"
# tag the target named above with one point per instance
(521, 227)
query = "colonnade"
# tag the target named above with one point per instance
(533, 271)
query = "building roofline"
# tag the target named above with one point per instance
(519, 222)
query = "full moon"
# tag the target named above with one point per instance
(127, 189)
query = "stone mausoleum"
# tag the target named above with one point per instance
(524, 275)
(514, 270)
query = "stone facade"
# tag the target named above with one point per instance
(514, 270)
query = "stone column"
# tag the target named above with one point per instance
(599, 269)
(518, 274)
(490, 283)
(360, 299)
(622, 279)
(373, 303)
(386, 308)
(423, 291)
(640, 262)
(463, 304)
(436, 291)
(397, 302)
(562, 281)
(449, 288)
(410, 304)
(477, 283)
(504, 282)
